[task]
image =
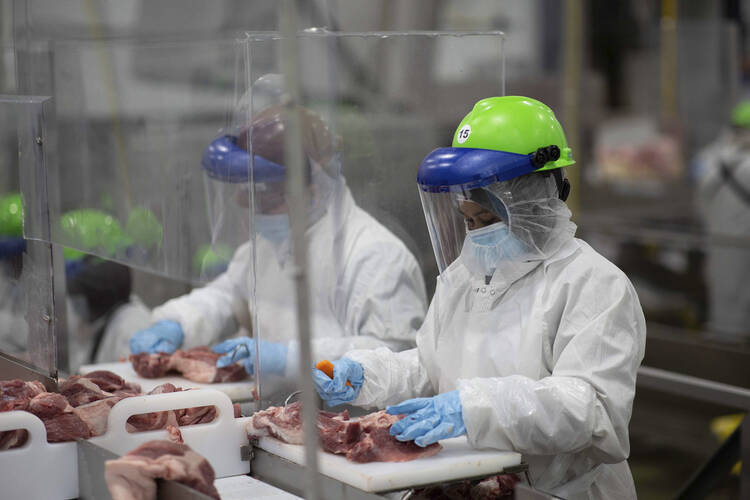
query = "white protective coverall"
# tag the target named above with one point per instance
(544, 357)
(724, 205)
(366, 289)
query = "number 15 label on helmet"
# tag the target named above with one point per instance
(463, 134)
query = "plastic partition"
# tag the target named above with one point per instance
(373, 106)
(31, 302)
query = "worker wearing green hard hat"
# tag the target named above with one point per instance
(723, 172)
(101, 306)
(532, 340)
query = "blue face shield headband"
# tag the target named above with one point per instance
(225, 161)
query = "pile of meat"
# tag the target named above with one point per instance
(133, 476)
(493, 488)
(365, 439)
(81, 409)
(197, 364)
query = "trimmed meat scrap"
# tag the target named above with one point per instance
(80, 391)
(61, 422)
(15, 394)
(133, 476)
(492, 488)
(197, 364)
(365, 439)
(151, 365)
(111, 382)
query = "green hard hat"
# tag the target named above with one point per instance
(11, 215)
(144, 228)
(209, 256)
(513, 124)
(741, 114)
(93, 230)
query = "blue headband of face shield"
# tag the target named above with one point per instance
(11, 246)
(225, 161)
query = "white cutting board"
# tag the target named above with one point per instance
(237, 391)
(244, 487)
(456, 460)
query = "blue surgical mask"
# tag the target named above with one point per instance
(274, 228)
(494, 243)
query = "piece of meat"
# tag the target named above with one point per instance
(365, 439)
(492, 488)
(151, 365)
(132, 477)
(198, 415)
(375, 443)
(155, 420)
(15, 394)
(111, 382)
(495, 488)
(13, 439)
(96, 414)
(80, 391)
(282, 422)
(59, 419)
(197, 364)
(174, 434)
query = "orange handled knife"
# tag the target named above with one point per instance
(327, 367)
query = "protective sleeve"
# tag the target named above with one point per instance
(206, 313)
(390, 377)
(585, 404)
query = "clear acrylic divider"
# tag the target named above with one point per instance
(372, 106)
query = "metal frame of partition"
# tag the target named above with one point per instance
(46, 317)
(737, 447)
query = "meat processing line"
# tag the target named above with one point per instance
(153, 211)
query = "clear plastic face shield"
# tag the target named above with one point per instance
(245, 167)
(488, 228)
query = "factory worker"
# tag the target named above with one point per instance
(532, 340)
(724, 204)
(366, 288)
(102, 310)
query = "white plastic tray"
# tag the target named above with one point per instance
(49, 471)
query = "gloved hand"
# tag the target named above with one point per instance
(272, 355)
(335, 391)
(164, 336)
(428, 420)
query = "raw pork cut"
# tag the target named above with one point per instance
(61, 422)
(110, 382)
(493, 488)
(133, 476)
(197, 364)
(151, 365)
(182, 417)
(15, 394)
(365, 439)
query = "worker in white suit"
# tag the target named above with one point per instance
(532, 340)
(724, 205)
(366, 287)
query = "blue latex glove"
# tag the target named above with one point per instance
(272, 355)
(428, 420)
(334, 391)
(164, 336)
